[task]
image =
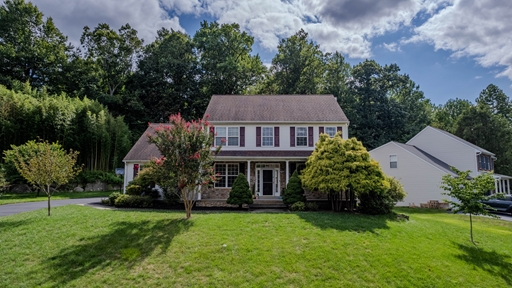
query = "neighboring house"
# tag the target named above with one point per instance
(265, 137)
(141, 153)
(422, 161)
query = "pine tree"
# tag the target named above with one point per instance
(240, 193)
(293, 192)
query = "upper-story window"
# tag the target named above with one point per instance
(331, 131)
(268, 136)
(393, 161)
(301, 135)
(485, 162)
(227, 136)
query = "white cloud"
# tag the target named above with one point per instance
(391, 46)
(478, 77)
(472, 28)
(145, 16)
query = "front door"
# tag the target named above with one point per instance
(268, 177)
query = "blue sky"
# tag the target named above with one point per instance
(451, 48)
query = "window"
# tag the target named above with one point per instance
(331, 131)
(393, 161)
(268, 136)
(302, 136)
(231, 139)
(227, 174)
(485, 162)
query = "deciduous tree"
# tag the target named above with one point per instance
(44, 164)
(187, 160)
(337, 165)
(469, 192)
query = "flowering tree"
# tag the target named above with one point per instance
(187, 162)
(44, 164)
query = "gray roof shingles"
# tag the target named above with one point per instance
(142, 150)
(275, 108)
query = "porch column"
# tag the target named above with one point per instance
(249, 172)
(495, 186)
(287, 172)
(508, 186)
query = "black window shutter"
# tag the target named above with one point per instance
(292, 136)
(242, 136)
(320, 130)
(276, 136)
(258, 136)
(310, 136)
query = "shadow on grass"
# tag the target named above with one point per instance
(6, 225)
(494, 263)
(126, 245)
(348, 221)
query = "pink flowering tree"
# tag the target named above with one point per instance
(187, 162)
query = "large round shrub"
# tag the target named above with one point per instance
(382, 203)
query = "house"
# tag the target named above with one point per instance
(420, 163)
(265, 137)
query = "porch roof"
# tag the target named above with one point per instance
(265, 153)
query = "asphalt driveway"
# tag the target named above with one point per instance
(10, 209)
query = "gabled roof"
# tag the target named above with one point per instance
(482, 150)
(433, 161)
(426, 157)
(142, 150)
(275, 108)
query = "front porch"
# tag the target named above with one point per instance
(501, 184)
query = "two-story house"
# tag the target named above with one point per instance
(265, 137)
(423, 160)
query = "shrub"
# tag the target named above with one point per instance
(171, 196)
(312, 206)
(240, 192)
(134, 190)
(294, 191)
(152, 193)
(91, 176)
(131, 201)
(298, 206)
(112, 197)
(374, 203)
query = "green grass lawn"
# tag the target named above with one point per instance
(32, 197)
(85, 247)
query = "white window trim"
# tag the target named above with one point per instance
(226, 175)
(273, 136)
(226, 143)
(297, 136)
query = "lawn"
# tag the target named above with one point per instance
(84, 247)
(32, 197)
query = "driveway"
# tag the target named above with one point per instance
(10, 209)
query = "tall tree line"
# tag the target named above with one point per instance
(178, 73)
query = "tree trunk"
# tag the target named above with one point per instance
(48, 193)
(471, 228)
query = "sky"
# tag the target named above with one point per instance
(450, 48)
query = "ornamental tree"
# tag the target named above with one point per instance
(469, 192)
(186, 166)
(240, 193)
(294, 191)
(338, 166)
(43, 164)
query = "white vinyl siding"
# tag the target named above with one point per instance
(421, 180)
(446, 148)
